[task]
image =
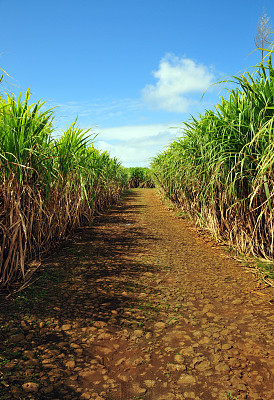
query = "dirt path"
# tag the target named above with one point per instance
(139, 306)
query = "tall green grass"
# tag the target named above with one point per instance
(221, 170)
(48, 186)
(140, 177)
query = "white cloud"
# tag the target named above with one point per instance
(135, 145)
(135, 131)
(178, 81)
(99, 110)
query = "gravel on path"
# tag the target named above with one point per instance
(139, 306)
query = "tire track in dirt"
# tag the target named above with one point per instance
(140, 307)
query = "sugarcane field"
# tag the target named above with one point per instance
(122, 280)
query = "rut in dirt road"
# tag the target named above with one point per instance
(138, 306)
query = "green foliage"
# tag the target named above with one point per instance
(267, 270)
(48, 186)
(221, 171)
(140, 177)
(25, 137)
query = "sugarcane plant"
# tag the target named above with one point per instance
(49, 186)
(220, 171)
(140, 177)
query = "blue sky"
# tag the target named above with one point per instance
(132, 70)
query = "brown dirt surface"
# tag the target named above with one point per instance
(139, 306)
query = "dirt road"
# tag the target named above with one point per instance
(139, 306)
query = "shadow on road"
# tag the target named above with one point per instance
(93, 276)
